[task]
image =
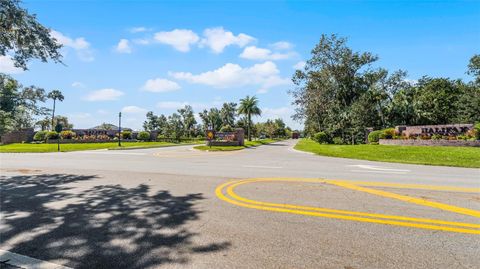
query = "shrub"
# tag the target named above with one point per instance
(160, 136)
(477, 131)
(337, 140)
(52, 135)
(321, 137)
(144, 136)
(388, 133)
(462, 137)
(126, 135)
(40, 136)
(200, 136)
(226, 128)
(67, 134)
(374, 136)
(436, 137)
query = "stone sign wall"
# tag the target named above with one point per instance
(25, 135)
(429, 130)
(235, 138)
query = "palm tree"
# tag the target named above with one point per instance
(249, 107)
(55, 95)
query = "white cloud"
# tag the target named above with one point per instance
(141, 41)
(160, 85)
(255, 53)
(77, 84)
(285, 113)
(7, 66)
(138, 29)
(104, 95)
(217, 39)
(197, 107)
(171, 104)
(180, 39)
(133, 110)
(123, 46)
(80, 45)
(282, 45)
(264, 75)
(299, 65)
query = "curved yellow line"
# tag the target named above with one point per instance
(364, 214)
(293, 209)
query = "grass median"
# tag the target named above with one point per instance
(26, 147)
(248, 144)
(428, 155)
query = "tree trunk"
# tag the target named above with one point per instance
(53, 115)
(249, 127)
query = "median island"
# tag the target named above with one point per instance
(248, 144)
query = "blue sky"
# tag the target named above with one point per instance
(137, 56)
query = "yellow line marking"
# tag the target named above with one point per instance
(320, 212)
(412, 186)
(239, 198)
(413, 200)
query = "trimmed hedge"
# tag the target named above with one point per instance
(374, 136)
(40, 136)
(144, 136)
(321, 137)
(52, 135)
(126, 135)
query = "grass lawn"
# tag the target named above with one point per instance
(18, 147)
(446, 156)
(248, 144)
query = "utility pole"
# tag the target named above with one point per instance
(119, 129)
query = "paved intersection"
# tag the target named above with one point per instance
(266, 207)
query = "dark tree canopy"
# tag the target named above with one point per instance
(340, 93)
(23, 37)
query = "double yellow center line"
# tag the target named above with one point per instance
(226, 193)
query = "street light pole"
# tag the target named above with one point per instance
(119, 129)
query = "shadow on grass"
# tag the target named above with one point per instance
(107, 226)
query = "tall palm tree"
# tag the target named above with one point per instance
(249, 107)
(55, 95)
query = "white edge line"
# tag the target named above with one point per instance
(380, 172)
(261, 166)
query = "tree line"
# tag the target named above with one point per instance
(183, 123)
(341, 93)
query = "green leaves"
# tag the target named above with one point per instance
(23, 37)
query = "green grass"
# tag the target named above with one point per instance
(248, 144)
(18, 147)
(429, 155)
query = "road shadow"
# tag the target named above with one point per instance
(107, 226)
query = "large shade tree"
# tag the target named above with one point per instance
(23, 38)
(249, 107)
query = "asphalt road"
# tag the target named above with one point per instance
(265, 207)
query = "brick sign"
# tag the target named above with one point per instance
(227, 136)
(428, 130)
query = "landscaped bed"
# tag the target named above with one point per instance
(27, 147)
(248, 144)
(438, 155)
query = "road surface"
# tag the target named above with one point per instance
(264, 207)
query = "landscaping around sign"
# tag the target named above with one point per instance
(248, 144)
